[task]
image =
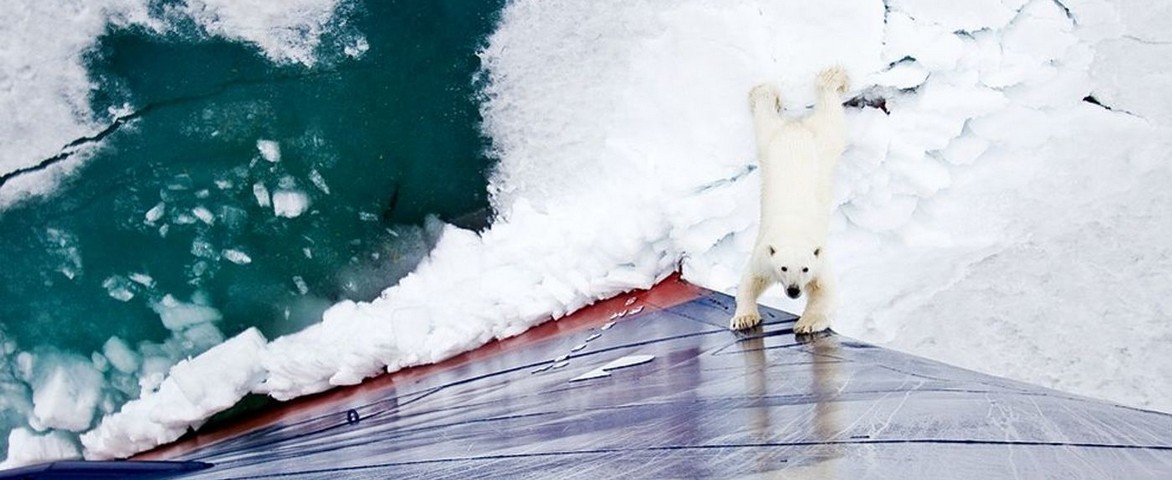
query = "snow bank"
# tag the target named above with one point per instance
(27, 448)
(193, 390)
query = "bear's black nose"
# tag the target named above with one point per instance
(793, 292)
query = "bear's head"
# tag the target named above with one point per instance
(795, 266)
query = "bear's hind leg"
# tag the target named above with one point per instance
(765, 103)
(828, 111)
(746, 315)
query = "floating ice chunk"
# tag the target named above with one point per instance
(28, 448)
(177, 315)
(290, 203)
(66, 390)
(356, 49)
(120, 356)
(185, 218)
(118, 287)
(319, 181)
(262, 194)
(623, 362)
(204, 215)
(200, 337)
(236, 256)
(63, 247)
(156, 212)
(202, 248)
(302, 287)
(269, 150)
(367, 217)
(100, 362)
(142, 279)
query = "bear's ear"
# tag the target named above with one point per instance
(772, 250)
(817, 251)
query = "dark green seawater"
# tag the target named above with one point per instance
(393, 135)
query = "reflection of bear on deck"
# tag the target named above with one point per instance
(797, 158)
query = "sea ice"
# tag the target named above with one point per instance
(66, 390)
(204, 215)
(262, 194)
(269, 150)
(120, 356)
(290, 203)
(155, 213)
(177, 315)
(236, 256)
(118, 287)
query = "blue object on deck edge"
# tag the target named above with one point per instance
(98, 470)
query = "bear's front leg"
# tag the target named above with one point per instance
(747, 316)
(819, 307)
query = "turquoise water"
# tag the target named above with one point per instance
(392, 135)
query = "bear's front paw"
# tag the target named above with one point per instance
(745, 321)
(765, 96)
(834, 78)
(812, 322)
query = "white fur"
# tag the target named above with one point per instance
(797, 158)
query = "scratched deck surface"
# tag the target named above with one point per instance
(710, 404)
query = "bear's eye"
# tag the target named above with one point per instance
(805, 269)
(784, 269)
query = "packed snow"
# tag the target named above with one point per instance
(1006, 210)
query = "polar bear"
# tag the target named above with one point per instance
(797, 158)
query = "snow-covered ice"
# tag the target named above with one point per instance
(45, 87)
(1009, 212)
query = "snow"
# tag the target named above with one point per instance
(193, 390)
(992, 220)
(26, 448)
